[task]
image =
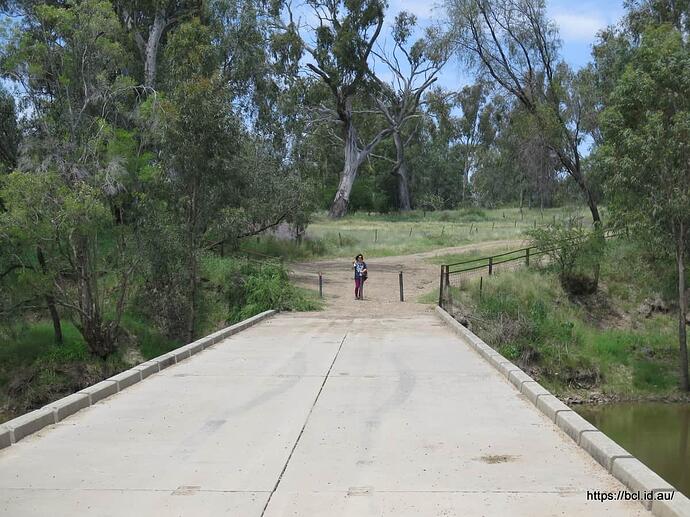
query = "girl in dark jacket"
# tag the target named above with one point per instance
(360, 268)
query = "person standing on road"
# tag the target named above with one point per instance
(360, 268)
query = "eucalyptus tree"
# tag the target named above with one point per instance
(646, 153)
(217, 180)
(414, 68)
(148, 21)
(471, 100)
(69, 62)
(339, 47)
(514, 44)
(9, 132)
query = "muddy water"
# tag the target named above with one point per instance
(658, 434)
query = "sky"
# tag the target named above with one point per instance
(578, 22)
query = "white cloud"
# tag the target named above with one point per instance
(579, 26)
(422, 9)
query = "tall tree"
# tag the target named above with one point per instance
(148, 21)
(68, 61)
(471, 100)
(9, 132)
(414, 69)
(343, 41)
(646, 153)
(514, 43)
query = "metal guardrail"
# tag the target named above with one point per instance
(451, 274)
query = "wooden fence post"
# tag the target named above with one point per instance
(491, 265)
(440, 287)
(527, 257)
(320, 285)
(402, 297)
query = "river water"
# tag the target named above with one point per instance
(658, 434)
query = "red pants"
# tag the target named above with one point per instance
(358, 287)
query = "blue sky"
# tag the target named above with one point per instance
(578, 22)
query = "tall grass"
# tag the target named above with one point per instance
(574, 344)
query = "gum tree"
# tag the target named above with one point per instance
(515, 45)
(338, 48)
(414, 68)
(646, 154)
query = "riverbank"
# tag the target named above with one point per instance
(619, 344)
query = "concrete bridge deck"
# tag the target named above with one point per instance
(303, 415)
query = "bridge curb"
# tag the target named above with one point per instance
(22, 426)
(636, 476)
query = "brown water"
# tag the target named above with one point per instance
(656, 433)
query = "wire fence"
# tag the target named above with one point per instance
(458, 276)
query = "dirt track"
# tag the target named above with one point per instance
(381, 290)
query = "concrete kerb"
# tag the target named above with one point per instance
(68, 405)
(148, 368)
(5, 437)
(603, 449)
(551, 406)
(574, 425)
(620, 463)
(24, 425)
(533, 390)
(126, 379)
(16, 429)
(100, 391)
(639, 478)
(676, 507)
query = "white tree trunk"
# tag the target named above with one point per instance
(353, 159)
(401, 172)
(151, 50)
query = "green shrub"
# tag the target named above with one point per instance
(575, 253)
(269, 287)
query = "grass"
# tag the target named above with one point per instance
(377, 235)
(35, 371)
(577, 346)
(478, 257)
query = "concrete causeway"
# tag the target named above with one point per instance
(311, 416)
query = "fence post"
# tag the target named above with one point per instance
(402, 297)
(481, 286)
(320, 285)
(440, 288)
(340, 239)
(491, 265)
(527, 257)
(448, 279)
(376, 235)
